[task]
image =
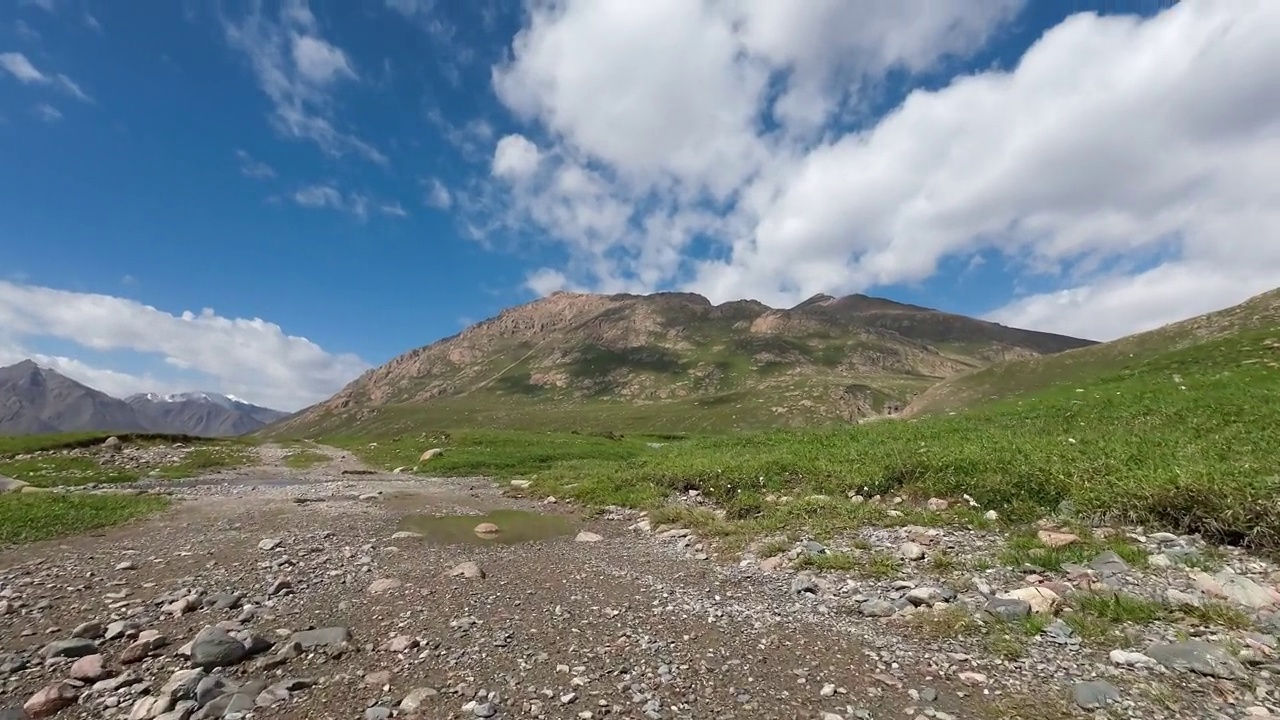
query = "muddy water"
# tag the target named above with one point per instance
(514, 526)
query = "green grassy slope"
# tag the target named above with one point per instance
(1063, 370)
(1183, 437)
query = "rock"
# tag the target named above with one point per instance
(384, 585)
(1199, 657)
(877, 608)
(119, 629)
(224, 706)
(126, 565)
(50, 700)
(1177, 598)
(111, 443)
(926, 596)
(184, 685)
(991, 515)
(484, 710)
(1159, 560)
(214, 647)
(416, 698)
(208, 687)
(71, 648)
(972, 678)
(1244, 591)
(1108, 563)
(802, 584)
(1094, 694)
(469, 570)
(911, 551)
(401, 643)
(487, 529)
(407, 535)
(433, 452)
(585, 536)
(937, 504)
(378, 679)
(321, 637)
(141, 648)
(90, 668)
(1131, 659)
(1042, 600)
(377, 712)
(521, 484)
(268, 544)
(1056, 539)
(1008, 609)
(91, 630)
(11, 485)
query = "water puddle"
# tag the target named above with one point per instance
(513, 526)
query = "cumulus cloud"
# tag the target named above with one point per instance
(17, 65)
(1128, 159)
(297, 70)
(250, 358)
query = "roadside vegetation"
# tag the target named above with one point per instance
(52, 461)
(1183, 440)
(304, 458)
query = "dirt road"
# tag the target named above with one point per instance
(627, 624)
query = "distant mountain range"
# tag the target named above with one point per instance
(35, 400)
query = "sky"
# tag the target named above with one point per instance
(266, 199)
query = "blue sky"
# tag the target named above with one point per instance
(343, 181)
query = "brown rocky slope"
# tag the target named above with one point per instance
(826, 359)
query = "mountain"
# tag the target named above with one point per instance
(671, 361)
(201, 413)
(36, 400)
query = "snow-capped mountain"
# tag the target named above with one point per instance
(36, 399)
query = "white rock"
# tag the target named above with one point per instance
(1042, 600)
(585, 536)
(1131, 659)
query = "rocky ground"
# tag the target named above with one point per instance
(275, 593)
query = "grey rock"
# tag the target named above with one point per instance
(215, 647)
(211, 687)
(802, 584)
(1108, 563)
(70, 648)
(484, 710)
(183, 685)
(377, 713)
(321, 637)
(1008, 609)
(814, 548)
(223, 601)
(1242, 590)
(877, 608)
(1060, 633)
(1199, 657)
(272, 695)
(224, 705)
(911, 551)
(925, 596)
(416, 698)
(1094, 694)
(91, 630)
(119, 629)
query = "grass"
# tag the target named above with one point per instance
(29, 517)
(59, 469)
(55, 470)
(1024, 548)
(303, 459)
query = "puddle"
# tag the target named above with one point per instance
(514, 526)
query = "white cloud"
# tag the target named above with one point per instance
(92, 23)
(515, 158)
(250, 358)
(357, 204)
(1128, 157)
(296, 68)
(45, 5)
(438, 196)
(393, 209)
(17, 65)
(251, 167)
(48, 113)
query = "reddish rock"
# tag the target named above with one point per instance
(90, 668)
(51, 700)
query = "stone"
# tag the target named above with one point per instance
(377, 712)
(209, 687)
(71, 648)
(214, 647)
(140, 649)
(1244, 591)
(1042, 600)
(911, 551)
(877, 608)
(50, 700)
(1130, 659)
(1199, 657)
(486, 529)
(90, 668)
(378, 678)
(469, 570)
(585, 536)
(484, 710)
(433, 452)
(1094, 694)
(126, 565)
(1056, 539)
(321, 637)
(407, 535)
(804, 584)
(384, 585)
(937, 504)
(925, 596)
(269, 544)
(417, 698)
(184, 685)
(1008, 609)
(11, 485)
(1108, 563)
(1159, 561)
(91, 630)
(119, 629)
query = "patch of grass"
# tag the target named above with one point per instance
(880, 564)
(11, 445)
(1119, 607)
(303, 459)
(56, 470)
(1218, 614)
(1025, 548)
(828, 561)
(28, 517)
(208, 459)
(942, 561)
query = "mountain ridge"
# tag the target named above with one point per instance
(39, 400)
(825, 359)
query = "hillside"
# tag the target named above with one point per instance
(672, 361)
(1029, 375)
(38, 400)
